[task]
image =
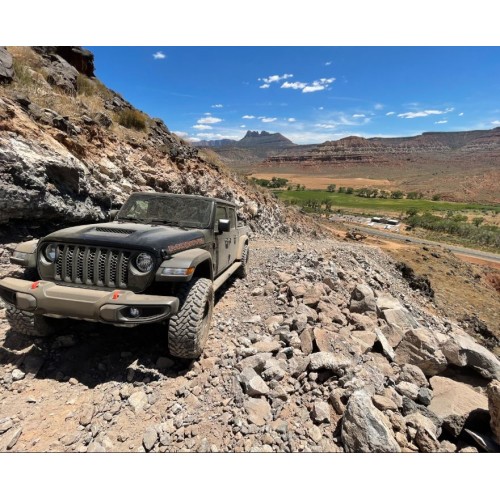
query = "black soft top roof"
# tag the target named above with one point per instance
(192, 196)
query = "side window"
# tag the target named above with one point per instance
(220, 213)
(232, 217)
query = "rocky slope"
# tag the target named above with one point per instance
(71, 149)
(323, 348)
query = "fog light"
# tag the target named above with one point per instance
(134, 312)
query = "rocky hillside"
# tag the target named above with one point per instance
(252, 149)
(71, 149)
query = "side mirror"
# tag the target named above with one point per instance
(113, 214)
(224, 225)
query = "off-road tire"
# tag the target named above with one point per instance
(188, 329)
(32, 325)
(242, 271)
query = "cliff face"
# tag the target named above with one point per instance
(71, 149)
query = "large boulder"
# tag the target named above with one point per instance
(399, 321)
(366, 429)
(420, 347)
(454, 402)
(462, 350)
(81, 59)
(362, 299)
(6, 66)
(61, 74)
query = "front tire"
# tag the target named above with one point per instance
(32, 325)
(188, 329)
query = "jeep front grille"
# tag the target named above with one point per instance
(92, 266)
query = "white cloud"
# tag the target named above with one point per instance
(243, 126)
(202, 127)
(460, 114)
(248, 117)
(427, 112)
(378, 106)
(159, 55)
(264, 86)
(441, 121)
(275, 78)
(207, 114)
(321, 108)
(209, 119)
(293, 85)
(496, 122)
(265, 119)
(212, 136)
(180, 133)
(326, 125)
(358, 116)
(390, 113)
(291, 120)
(316, 86)
(217, 105)
(328, 63)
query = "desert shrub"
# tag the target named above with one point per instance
(131, 118)
(84, 85)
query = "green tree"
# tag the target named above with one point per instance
(341, 189)
(349, 190)
(331, 188)
(411, 212)
(397, 195)
(436, 197)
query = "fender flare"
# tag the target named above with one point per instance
(243, 240)
(27, 259)
(183, 260)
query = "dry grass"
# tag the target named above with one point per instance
(132, 118)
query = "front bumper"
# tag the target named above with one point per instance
(50, 299)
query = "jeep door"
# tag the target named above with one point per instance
(223, 240)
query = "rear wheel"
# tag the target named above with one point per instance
(188, 329)
(242, 271)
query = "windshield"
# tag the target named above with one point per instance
(171, 210)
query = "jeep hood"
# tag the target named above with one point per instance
(132, 236)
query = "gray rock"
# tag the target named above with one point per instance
(14, 438)
(306, 341)
(257, 362)
(494, 408)
(138, 400)
(149, 438)
(362, 299)
(408, 389)
(420, 347)
(462, 350)
(86, 414)
(6, 66)
(327, 361)
(453, 402)
(366, 429)
(17, 374)
(61, 74)
(424, 396)
(386, 346)
(321, 412)
(253, 385)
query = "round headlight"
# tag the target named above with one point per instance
(144, 262)
(51, 252)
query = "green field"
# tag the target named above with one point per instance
(378, 205)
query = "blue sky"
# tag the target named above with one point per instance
(309, 94)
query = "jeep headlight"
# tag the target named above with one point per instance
(144, 262)
(51, 252)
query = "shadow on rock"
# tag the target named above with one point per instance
(93, 354)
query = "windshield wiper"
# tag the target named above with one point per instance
(170, 223)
